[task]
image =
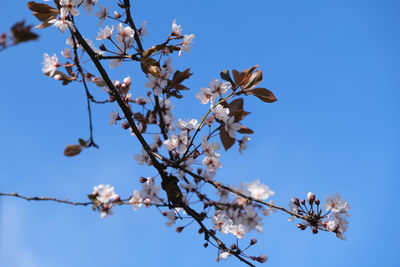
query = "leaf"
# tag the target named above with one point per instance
(254, 80)
(40, 8)
(151, 50)
(22, 33)
(72, 150)
(150, 65)
(236, 105)
(240, 114)
(43, 25)
(262, 93)
(250, 70)
(226, 76)
(45, 16)
(226, 140)
(181, 76)
(237, 76)
(82, 142)
(245, 130)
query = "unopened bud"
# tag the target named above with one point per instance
(103, 47)
(315, 231)
(164, 213)
(58, 77)
(148, 93)
(295, 201)
(125, 125)
(117, 199)
(303, 201)
(310, 198)
(205, 245)
(200, 231)
(142, 180)
(117, 84)
(179, 229)
(263, 258)
(196, 153)
(317, 202)
(199, 171)
(212, 232)
(117, 15)
(253, 241)
(128, 81)
(233, 247)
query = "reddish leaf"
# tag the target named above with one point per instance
(240, 114)
(254, 80)
(262, 93)
(245, 130)
(41, 8)
(72, 150)
(181, 76)
(226, 140)
(236, 104)
(237, 76)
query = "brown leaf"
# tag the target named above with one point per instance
(151, 50)
(181, 76)
(150, 65)
(40, 8)
(253, 80)
(236, 105)
(226, 140)
(250, 70)
(237, 76)
(22, 33)
(72, 150)
(240, 114)
(43, 25)
(45, 16)
(262, 93)
(245, 130)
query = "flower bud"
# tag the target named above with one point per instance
(317, 201)
(212, 232)
(303, 201)
(205, 245)
(179, 229)
(128, 81)
(233, 247)
(58, 77)
(117, 84)
(310, 198)
(253, 241)
(315, 231)
(142, 180)
(261, 259)
(125, 125)
(164, 213)
(117, 199)
(295, 201)
(117, 15)
(103, 47)
(200, 231)
(72, 150)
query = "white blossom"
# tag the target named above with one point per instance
(231, 127)
(293, 208)
(188, 125)
(205, 95)
(336, 204)
(258, 191)
(219, 88)
(221, 113)
(143, 158)
(210, 149)
(171, 143)
(88, 4)
(62, 24)
(125, 36)
(149, 191)
(114, 117)
(337, 224)
(187, 42)
(68, 7)
(238, 230)
(242, 143)
(142, 31)
(102, 13)
(50, 64)
(221, 222)
(115, 62)
(156, 83)
(136, 200)
(93, 47)
(212, 163)
(176, 29)
(171, 217)
(104, 193)
(105, 33)
(223, 255)
(67, 53)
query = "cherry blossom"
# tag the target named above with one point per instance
(242, 143)
(68, 7)
(258, 191)
(136, 200)
(336, 204)
(231, 127)
(88, 4)
(221, 113)
(125, 36)
(102, 13)
(176, 29)
(105, 33)
(187, 42)
(50, 64)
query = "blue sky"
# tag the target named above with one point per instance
(333, 66)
